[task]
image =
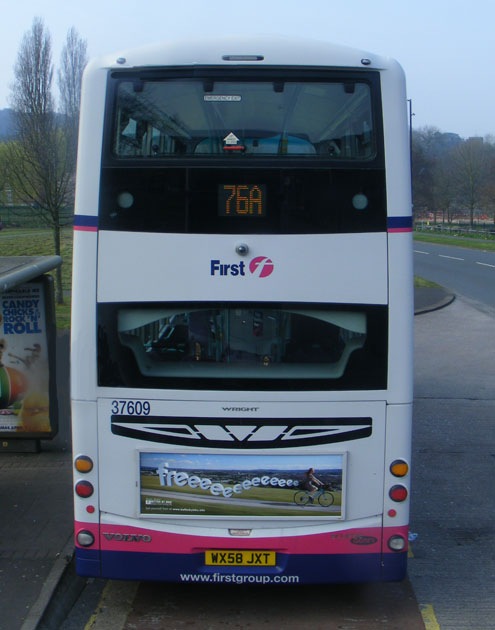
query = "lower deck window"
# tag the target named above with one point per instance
(248, 346)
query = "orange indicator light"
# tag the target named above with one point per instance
(83, 464)
(399, 468)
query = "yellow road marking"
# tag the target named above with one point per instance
(429, 618)
(93, 617)
(114, 606)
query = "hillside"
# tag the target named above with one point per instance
(6, 124)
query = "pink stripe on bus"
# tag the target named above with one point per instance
(349, 541)
(85, 228)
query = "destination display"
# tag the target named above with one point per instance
(188, 484)
(242, 200)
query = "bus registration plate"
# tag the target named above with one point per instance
(229, 557)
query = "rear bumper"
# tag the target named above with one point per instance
(138, 554)
(290, 569)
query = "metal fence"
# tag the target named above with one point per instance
(26, 217)
(485, 230)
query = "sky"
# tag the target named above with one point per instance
(444, 46)
(254, 462)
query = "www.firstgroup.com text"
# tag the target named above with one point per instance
(232, 578)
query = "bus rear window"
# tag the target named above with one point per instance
(201, 117)
(241, 347)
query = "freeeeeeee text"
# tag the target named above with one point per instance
(181, 478)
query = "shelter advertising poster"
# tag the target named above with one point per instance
(187, 484)
(24, 369)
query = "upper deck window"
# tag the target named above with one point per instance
(203, 117)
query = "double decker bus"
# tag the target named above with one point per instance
(242, 315)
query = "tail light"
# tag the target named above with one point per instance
(398, 493)
(84, 489)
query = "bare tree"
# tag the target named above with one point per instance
(31, 92)
(433, 189)
(444, 191)
(73, 60)
(488, 191)
(470, 171)
(423, 169)
(3, 171)
(42, 156)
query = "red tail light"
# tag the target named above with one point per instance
(84, 489)
(398, 493)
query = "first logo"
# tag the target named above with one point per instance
(261, 266)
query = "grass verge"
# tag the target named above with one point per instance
(422, 283)
(39, 242)
(456, 241)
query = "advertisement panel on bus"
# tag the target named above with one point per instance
(189, 484)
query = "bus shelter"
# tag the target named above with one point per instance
(28, 389)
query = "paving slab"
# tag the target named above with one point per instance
(35, 523)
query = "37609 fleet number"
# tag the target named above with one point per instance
(131, 407)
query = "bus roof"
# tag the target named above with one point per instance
(242, 51)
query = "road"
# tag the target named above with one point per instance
(466, 272)
(292, 507)
(453, 507)
(454, 445)
(157, 605)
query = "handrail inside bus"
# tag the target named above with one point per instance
(130, 319)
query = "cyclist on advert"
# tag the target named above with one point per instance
(311, 483)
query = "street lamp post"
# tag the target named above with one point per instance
(411, 114)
